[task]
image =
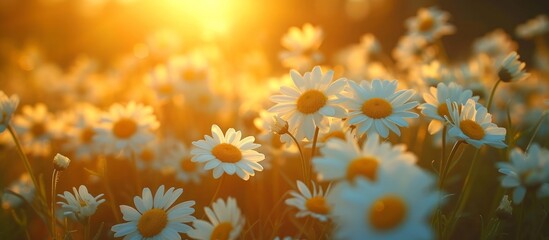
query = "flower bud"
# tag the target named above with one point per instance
(61, 162)
(279, 125)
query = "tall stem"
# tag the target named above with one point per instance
(106, 182)
(538, 124)
(492, 95)
(466, 191)
(442, 152)
(448, 162)
(300, 155)
(23, 156)
(313, 151)
(54, 177)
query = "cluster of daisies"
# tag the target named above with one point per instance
(348, 125)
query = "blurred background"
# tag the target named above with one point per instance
(100, 29)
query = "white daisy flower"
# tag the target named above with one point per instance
(475, 126)
(126, 128)
(81, 131)
(337, 128)
(496, 44)
(80, 205)
(430, 23)
(396, 206)
(436, 107)
(346, 160)
(534, 27)
(227, 153)
(22, 186)
(153, 218)
(306, 104)
(178, 159)
(149, 155)
(411, 51)
(526, 171)
(164, 87)
(36, 127)
(302, 47)
(309, 203)
(511, 69)
(226, 222)
(7, 108)
(376, 108)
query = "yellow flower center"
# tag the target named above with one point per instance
(334, 134)
(377, 108)
(82, 202)
(147, 155)
(227, 153)
(504, 75)
(311, 101)
(152, 222)
(387, 212)
(364, 166)
(222, 231)
(317, 205)
(38, 129)
(425, 22)
(124, 128)
(472, 129)
(187, 165)
(86, 135)
(442, 110)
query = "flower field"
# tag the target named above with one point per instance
(234, 119)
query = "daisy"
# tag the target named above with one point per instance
(273, 135)
(302, 47)
(305, 104)
(36, 127)
(411, 51)
(80, 205)
(126, 128)
(474, 125)
(430, 23)
(178, 159)
(81, 131)
(495, 44)
(396, 206)
(336, 129)
(345, 159)
(376, 108)
(526, 171)
(22, 186)
(7, 108)
(227, 153)
(149, 155)
(226, 222)
(511, 69)
(436, 107)
(534, 27)
(153, 218)
(164, 87)
(309, 203)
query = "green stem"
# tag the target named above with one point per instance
(108, 189)
(54, 177)
(492, 95)
(313, 151)
(538, 124)
(300, 155)
(466, 191)
(23, 156)
(446, 166)
(87, 229)
(442, 152)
